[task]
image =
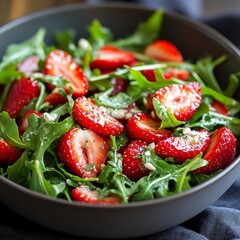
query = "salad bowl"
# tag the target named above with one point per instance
(135, 218)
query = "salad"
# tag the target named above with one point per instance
(106, 121)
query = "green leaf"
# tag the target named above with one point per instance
(17, 52)
(9, 130)
(168, 119)
(145, 33)
(99, 35)
(19, 172)
(118, 101)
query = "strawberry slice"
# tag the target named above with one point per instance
(23, 125)
(220, 107)
(181, 74)
(8, 153)
(55, 98)
(87, 114)
(21, 94)
(142, 127)
(220, 152)
(163, 50)
(86, 195)
(29, 65)
(83, 152)
(60, 63)
(132, 165)
(110, 58)
(184, 147)
(181, 99)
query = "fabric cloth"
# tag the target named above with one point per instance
(220, 221)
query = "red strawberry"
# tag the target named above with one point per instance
(181, 74)
(24, 121)
(119, 85)
(86, 195)
(142, 127)
(220, 107)
(8, 153)
(55, 98)
(109, 58)
(21, 94)
(162, 50)
(87, 114)
(220, 152)
(184, 147)
(132, 165)
(60, 63)
(83, 152)
(181, 99)
(29, 65)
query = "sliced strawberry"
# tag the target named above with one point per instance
(142, 127)
(60, 63)
(109, 58)
(220, 107)
(29, 65)
(87, 114)
(184, 147)
(23, 125)
(119, 85)
(55, 98)
(220, 152)
(132, 164)
(162, 50)
(181, 99)
(86, 195)
(181, 74)
(83, 152)
(8, 153)
(21, 94)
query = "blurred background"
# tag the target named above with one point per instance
(223, 15)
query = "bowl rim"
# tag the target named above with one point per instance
(187, 20)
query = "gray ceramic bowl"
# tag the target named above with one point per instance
(134, 219)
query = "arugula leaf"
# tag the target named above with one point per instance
(99, 35)
(145, 33)
(17, 52)
(168, 119)
(9, 74)
(118, 101)
(205, 68)
(9, 130)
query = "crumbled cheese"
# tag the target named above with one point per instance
(50, 117)
(84, 44)
(149, 166)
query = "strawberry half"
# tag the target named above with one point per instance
(110, 58)
(142, 127)
(8, 153)
(184, 147)
(87, 114)
(181, 74)
(219, 107)
(86, 195)
(163, 50)
(132, 165)
(181, 99)
(60, 63)
(23, 125)
(220, 152)
(29, 65)
(55, 98)
(83, 152)
(21, 94)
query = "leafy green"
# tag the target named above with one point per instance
(17, 52)
(145, 33)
